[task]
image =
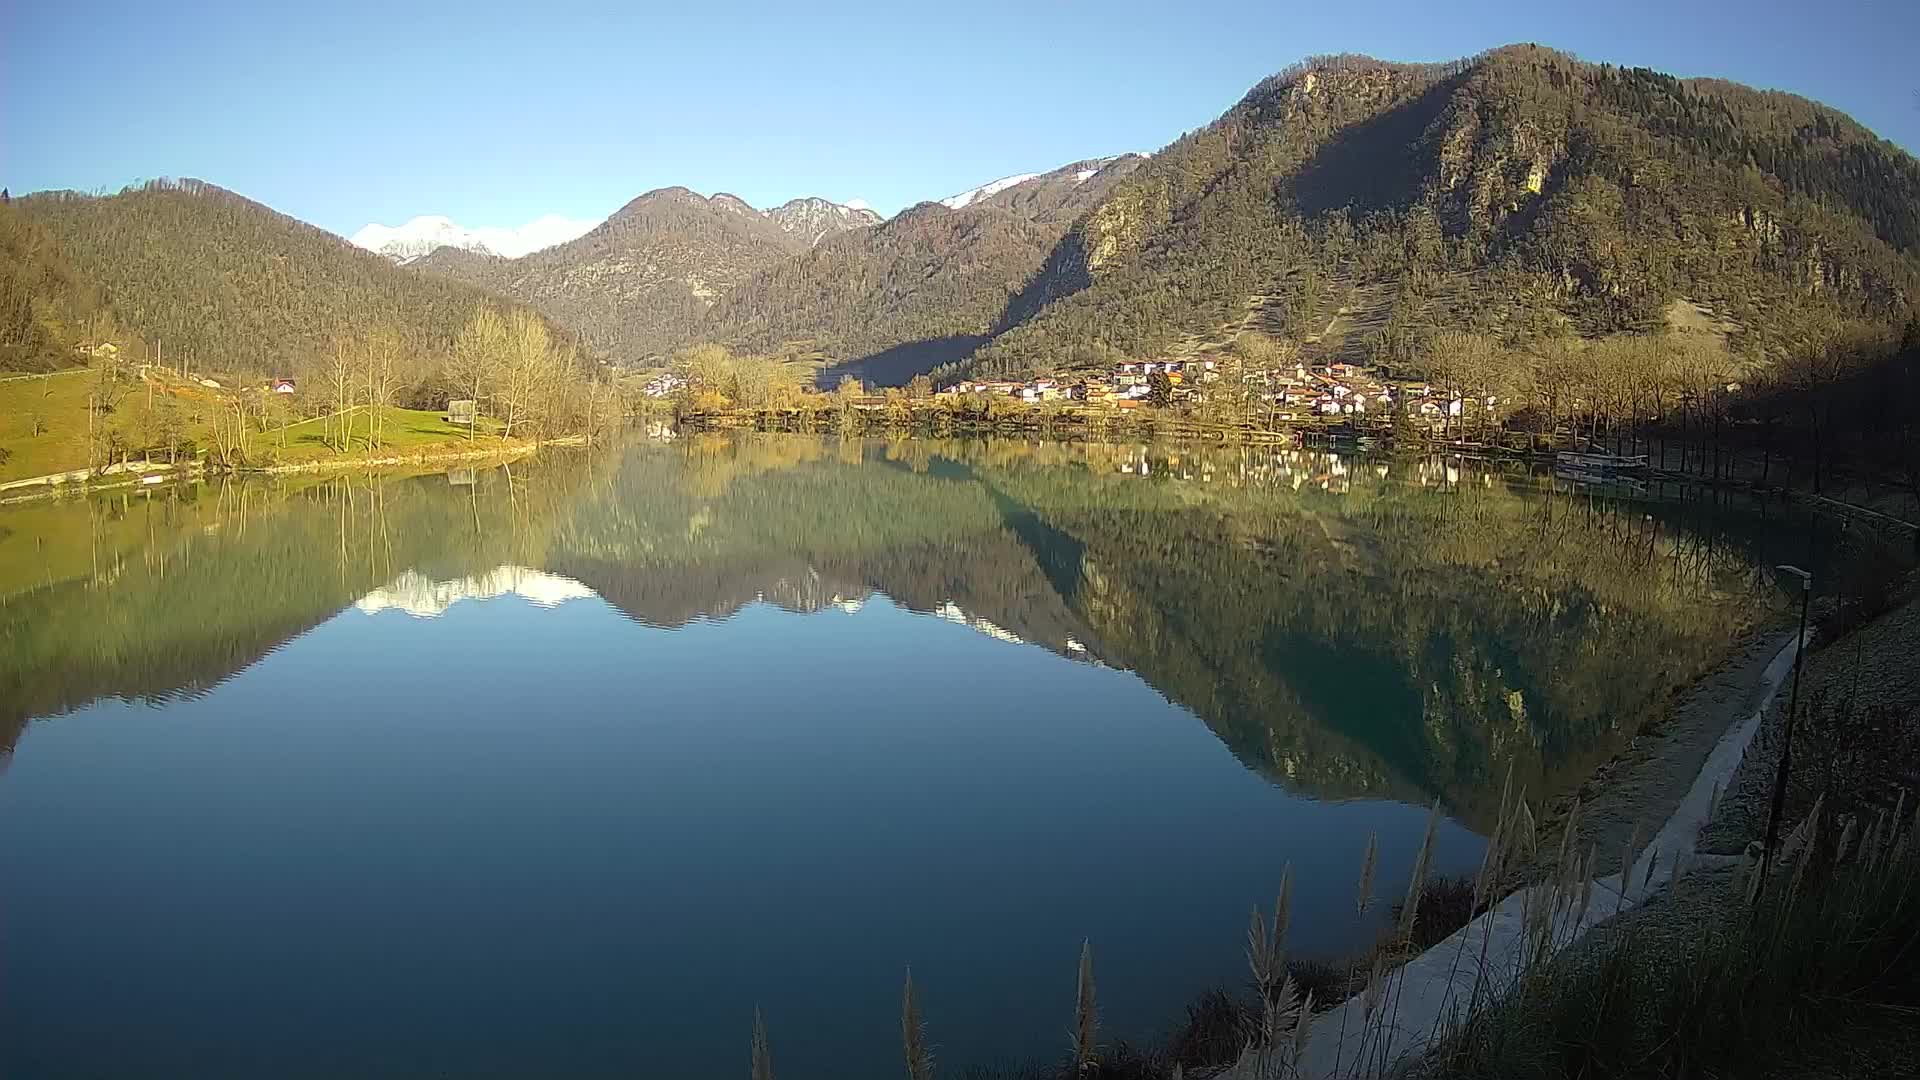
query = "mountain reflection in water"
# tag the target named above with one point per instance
(1407, 628)
(425, 598)
(845, 689)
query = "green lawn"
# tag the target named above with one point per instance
(59, 403)
(401, 431)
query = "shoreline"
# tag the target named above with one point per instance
(1713, 893)
(141, 473)
(1721, 713)
(1648, 779)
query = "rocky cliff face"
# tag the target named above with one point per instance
(815, 219)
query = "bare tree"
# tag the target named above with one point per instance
(1462, 365)
(337, 376)
(1265, 361)
(529, 361)
(110, 385)
(707, 376)
(478, 353)
(602, 400)
(379, 361)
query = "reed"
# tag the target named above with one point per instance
(1086, 1015)
(913, 1034)
(1362, 900)
(762, 1056)
(1381, 1038)
(1282, 914)
(1627, 854)
(1367, 863)
(1267, 943)
(1409, 911)
(1567, 830)
(1278, 1038)
(1833, 938)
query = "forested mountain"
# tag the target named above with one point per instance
(46, 309)
(226, 283)
(1351, 205)
(929, 273)
(1355, 206)
(1520, 193)
(641, 282)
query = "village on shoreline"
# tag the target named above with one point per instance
(1301, 392)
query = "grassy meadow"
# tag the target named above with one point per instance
(44, 428)
(43, 424)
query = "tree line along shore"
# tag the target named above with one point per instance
(506, 382)
(1840, 414)
(1841, 417)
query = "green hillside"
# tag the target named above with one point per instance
(1521, 193)
(228, 285)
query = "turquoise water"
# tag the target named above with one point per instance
(567, 770)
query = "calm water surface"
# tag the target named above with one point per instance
(563, 769)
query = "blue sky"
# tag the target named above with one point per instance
(344, 113)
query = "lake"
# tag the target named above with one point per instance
(565, 767)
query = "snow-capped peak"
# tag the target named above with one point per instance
(425, 234)
(985, 191)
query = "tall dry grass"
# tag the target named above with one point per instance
(913, 1035)
(1831, 936)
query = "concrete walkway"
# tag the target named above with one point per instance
(119, 469)
(1425, 1000)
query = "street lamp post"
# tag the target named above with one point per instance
(1793, 712)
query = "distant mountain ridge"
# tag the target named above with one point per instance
(656, 275)
(640, 282)
(922, 289)
(985, 191)
(928, 274)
